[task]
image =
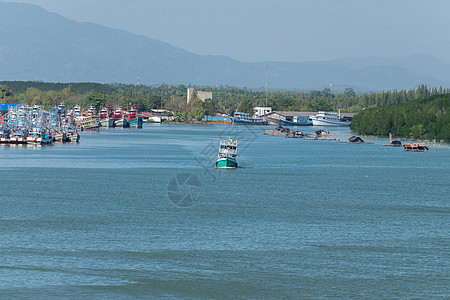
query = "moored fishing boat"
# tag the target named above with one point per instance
(122, 122)
(296, 122)
(37, 137)
(89, 123)
(136, 122)
(73, 136)
(273, 121)
(107, 122)
(328, 119)
(61, 136)
(119, 118)
(227, 157)
(4, 137)
(133, 119)
(105, 119)
(246, 119)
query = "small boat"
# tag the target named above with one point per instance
(227, 154)
(296, 134)
(395, 143)
(328, 119)
(416, 147)
(392, 143)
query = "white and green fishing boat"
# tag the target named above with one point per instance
(227, 154)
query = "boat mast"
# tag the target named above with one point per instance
(267, 71)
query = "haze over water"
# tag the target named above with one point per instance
(144, 213)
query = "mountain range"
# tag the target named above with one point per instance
(39, 45)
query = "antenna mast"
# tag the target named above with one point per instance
(267, 71)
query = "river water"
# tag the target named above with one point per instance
(133, 213)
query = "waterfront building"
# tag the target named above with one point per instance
(200, 94)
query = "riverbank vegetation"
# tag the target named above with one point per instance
(416, 113)
(225, 99)
(427, 118)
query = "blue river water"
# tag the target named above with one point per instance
(130, 213)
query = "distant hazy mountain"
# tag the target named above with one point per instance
(38, 45)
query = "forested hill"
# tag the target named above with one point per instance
(419, 119)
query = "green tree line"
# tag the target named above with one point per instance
(427, 118)
(225, 99)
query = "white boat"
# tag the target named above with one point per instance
(328, 119)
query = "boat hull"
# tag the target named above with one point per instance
(75, 138)
(91, 127)
(226, 163)
(39, 140)
(273, 121)
(122, 123)
(288, 123)
(247, 122)
(107, 123)
(330, 123)
(136, 123)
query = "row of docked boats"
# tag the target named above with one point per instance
(120, 118)
(91, 120)
(320, 119)
(22, 125)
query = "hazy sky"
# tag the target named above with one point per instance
(277, 30)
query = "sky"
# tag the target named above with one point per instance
(276, 30)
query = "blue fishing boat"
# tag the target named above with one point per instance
(246, 119)
(133, 119)
(296, 122)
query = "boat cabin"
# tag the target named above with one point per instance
(228, 148)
